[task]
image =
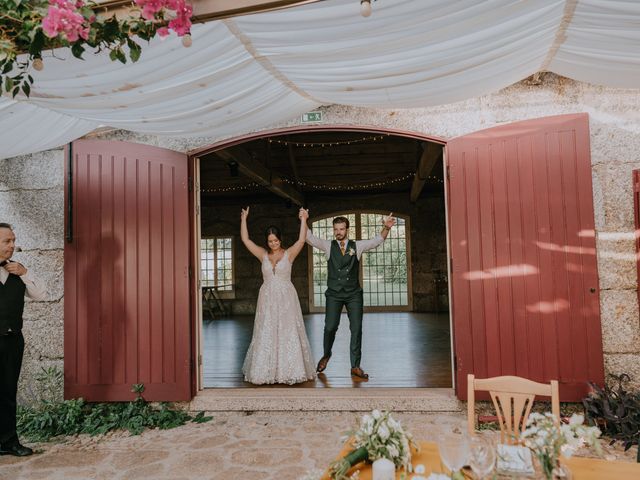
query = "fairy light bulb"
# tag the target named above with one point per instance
(187, 41)
(38, 64)
(365, 8)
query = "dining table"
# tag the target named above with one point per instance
(581, 468)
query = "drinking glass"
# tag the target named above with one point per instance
(454, 451)
(482, 456)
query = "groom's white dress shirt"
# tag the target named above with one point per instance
(361, 245)
(34, 288)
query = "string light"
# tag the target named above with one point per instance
(323, 186)
(234, 188)
(373, 138)
(358, 186)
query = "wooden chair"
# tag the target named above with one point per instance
(512, 398)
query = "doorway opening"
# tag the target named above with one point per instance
(359, 173)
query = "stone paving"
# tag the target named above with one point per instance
(234, 445)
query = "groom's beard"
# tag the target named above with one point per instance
(341, 237)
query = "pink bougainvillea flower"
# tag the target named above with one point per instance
(65, 21)
(182, 23)
(150, 7)
(163, 31)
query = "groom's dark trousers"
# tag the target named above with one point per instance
(343, 288)
(334, 303)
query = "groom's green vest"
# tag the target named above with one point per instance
(343, 269)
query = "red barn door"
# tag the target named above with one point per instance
(522, 242)
(126, 263)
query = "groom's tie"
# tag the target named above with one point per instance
(342, 249)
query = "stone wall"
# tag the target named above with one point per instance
(428, 242)
(32, 200)
(31, 197)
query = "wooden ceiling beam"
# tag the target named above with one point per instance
(431, 153)
(260, 174)
(209, 10)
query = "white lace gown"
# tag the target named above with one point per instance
(279, 350)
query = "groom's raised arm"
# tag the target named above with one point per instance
(324, 245)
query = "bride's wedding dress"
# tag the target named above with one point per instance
(279, 350)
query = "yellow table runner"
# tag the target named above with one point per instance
(581, 468)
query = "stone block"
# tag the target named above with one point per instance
(30, 391)
(628, 363)
(37, 312)
(620, 323)
(44, 340)
(617, 267)
(614, 140)
(39, 171)
(618, 201)
(37, 217)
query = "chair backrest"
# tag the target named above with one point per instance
(512, 398)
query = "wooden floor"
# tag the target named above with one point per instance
(398, 350)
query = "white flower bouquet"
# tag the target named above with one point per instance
(377, 436)
(547, 440)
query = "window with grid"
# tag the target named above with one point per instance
(384, 270)
(216, 263)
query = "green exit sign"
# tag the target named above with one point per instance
(311, 117)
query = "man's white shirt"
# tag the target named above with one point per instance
(361, 245)
(35, 290)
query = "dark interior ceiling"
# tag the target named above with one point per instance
(318, 163)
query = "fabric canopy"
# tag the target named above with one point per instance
(245, 73)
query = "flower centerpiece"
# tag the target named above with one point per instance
(548, 440)
(29, 27)
(377, 436)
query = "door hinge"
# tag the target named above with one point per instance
(190, 187)
(190, 271)
(200, 359)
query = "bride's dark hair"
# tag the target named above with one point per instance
(272, 230)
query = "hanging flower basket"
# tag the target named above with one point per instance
(30, 27)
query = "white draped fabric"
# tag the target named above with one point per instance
(245, 73)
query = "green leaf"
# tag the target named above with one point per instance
(26, 89)
(37, 43)
(15, 91)
(8, 83)
(77, 49)
(134, 50)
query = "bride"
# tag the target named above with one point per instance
(279, 350)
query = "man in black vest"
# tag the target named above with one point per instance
(343, 285)
(15, 283)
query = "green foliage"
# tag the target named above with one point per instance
(51, 418)
(615, 410)
(21, 33)
(72, 417)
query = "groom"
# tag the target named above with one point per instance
(343, 285)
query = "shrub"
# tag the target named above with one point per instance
(615, 410)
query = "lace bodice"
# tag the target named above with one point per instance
(281, 271)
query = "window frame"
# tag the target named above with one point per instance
(223, 294)
(313, 308)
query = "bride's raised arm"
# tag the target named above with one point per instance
(259, 252)
(296, 248)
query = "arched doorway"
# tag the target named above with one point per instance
(360, 171)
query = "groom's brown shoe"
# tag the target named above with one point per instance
(358, 372)
(322, 364)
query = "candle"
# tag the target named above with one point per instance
(383, 469)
